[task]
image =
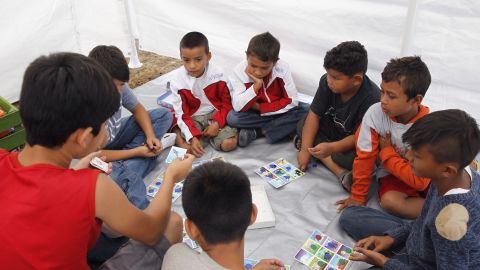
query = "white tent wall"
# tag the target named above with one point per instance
(444, 32)
(33, 28)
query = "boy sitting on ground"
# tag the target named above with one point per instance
(447, 233)
(51, 214)
(264, 96)
(218, 204)
(201, 99)
(402, 193)
(343, 96)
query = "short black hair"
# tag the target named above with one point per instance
(410, 72)
(194, 39)
(265, 47)
(217, 198)
(349, 57)
(112, 59)
(63, 92)
(451, 136)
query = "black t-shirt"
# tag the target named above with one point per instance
(339, 120)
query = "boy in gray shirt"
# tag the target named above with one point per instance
(218, 204)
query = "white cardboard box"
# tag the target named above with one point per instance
(265, 216)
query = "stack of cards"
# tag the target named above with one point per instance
(153, 188)
(279, 173)
(175, 152)
(320, 252)
(249, 264)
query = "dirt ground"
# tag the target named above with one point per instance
(154, 65)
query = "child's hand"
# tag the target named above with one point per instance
(154, 144)
(144, 151)
(369, 256)
(379, 243)
(255, 106)
(85, 161)
(196, 147)
(385, 141)
(303, 159)
(321, 150)
(269, 264)
(346, 203)
(212, 130)
(178, 169)
(257, 82)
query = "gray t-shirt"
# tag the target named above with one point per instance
(182, 257)
(129, 101)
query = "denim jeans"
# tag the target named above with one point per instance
(276, 127)
(129, 174)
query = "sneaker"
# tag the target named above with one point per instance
(246, 136)
(168, 140)
(346, 180)
(297, 142)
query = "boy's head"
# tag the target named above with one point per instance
(64, 94)
(262, 54)
(217, 201)
(112, 59)
(195, 53)
(346, 64)
(442, 143)
(404, 84)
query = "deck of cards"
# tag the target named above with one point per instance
(99, 164)
(175, 152)
(323, 252)
(279, 173)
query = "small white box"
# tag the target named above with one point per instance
(265, 216)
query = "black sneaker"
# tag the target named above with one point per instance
(246, 136)
(346, 181)
(297, 142)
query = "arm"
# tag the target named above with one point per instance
(139, 151)
(401, 169)
(289, 95)
(309, 131)
(243, 93)
(147, 226)
(220, 116)
(183, 115)
(145, 123)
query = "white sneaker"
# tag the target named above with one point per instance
(168, 140)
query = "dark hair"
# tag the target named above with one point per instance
(264, 46)
(63, 92)
(349, 57)
(451, 136)
(217, 198)
(195, 39)
(410, 72)
(112, 59)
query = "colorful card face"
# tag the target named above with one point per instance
(321, 252)
(249, 264)
(189, 242)
(175, 152)
(279, 173)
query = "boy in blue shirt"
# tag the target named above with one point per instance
(446, 234)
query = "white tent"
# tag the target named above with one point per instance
(444, 32)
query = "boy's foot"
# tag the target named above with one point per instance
(168, 140)
(297, 142)
(346, 180)
(246, 136)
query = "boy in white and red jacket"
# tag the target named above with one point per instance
(264, 96)
(201, 99)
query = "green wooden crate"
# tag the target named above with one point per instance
(11, 120)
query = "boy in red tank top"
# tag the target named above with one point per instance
(52, 214)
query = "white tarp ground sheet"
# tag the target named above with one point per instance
(299, 207)
(444, 32)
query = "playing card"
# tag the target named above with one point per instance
(99, 164)
(175, 152)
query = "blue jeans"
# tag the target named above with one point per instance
(276, 127)
(129, 174)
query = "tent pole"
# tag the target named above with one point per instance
(409, 24)
(134, 34)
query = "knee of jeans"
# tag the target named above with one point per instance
(349, 217)
(160, 113)
(232, 118)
